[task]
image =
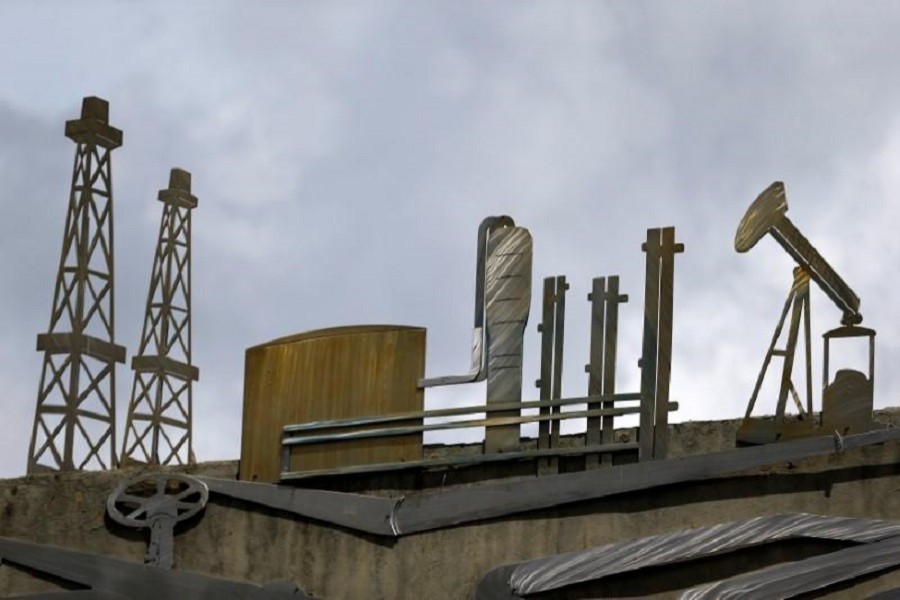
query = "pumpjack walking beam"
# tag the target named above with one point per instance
(74, 422)
(158, 428)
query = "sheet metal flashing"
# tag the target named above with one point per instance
(433, 510)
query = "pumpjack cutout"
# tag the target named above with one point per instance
(847, 401)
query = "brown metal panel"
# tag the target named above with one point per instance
(330, 374)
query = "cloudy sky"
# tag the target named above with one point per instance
(344, 154)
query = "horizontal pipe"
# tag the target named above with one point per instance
(490, 422)
(463, 410)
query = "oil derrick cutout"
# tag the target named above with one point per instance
(158, 428)
(74, 423)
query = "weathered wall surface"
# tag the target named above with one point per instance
(243, 542)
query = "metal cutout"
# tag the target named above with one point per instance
(159, 426)
(75, 417)
(605, 300)
(552, 330)
(767, 215)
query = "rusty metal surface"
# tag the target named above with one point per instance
(557, 571)
(159, 423)
(75, 416)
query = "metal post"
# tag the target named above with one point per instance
(74, 423)
(664, 363)
(646, 433)
(547, 330)
(161, 397)
(594, 368)
(558, 338)
(605, 300)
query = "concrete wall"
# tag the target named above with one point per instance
(242, 542)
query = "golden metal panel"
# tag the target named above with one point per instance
(330, 374)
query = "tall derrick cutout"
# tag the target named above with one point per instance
(74, 423)
(158, 428)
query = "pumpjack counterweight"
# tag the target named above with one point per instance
(74, 423)
(158, 429)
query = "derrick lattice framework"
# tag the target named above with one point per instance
(158, 428)
(74, 424)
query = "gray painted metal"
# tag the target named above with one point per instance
(159, 511)
(795, 578)
(554, 572)
(159, 427)
(478, 367)
(433, 510)
(74, 595)
(116, 578)
(75, 416)
(370, 514)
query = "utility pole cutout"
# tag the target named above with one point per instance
(74, 422)
(158, 429)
